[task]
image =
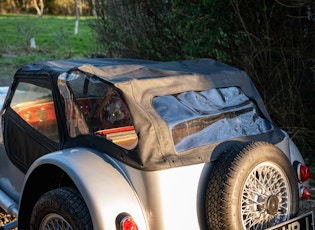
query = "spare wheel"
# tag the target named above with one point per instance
(252, 186)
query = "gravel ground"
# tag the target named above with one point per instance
(5, 218)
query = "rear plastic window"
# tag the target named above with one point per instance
(94, 107)
(200, 118)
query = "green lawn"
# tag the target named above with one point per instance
(54, 37)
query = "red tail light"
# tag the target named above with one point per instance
(126, 222)
(302, 171)
(304, 193)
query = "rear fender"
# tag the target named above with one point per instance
(293, 153)
(105, 188)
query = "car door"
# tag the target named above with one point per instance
(30, 122)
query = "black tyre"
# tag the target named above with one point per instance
(252, 186)
(61, 208)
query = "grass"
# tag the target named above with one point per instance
(54, 37)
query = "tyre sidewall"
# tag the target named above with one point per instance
(254, 157)
(59, 201)
(237, 171)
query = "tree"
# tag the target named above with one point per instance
(39, 7)
(78, 11)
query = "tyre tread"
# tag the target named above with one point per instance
(222, 182)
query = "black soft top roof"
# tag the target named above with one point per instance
(123, 69)
(141, 80)
(56, 67)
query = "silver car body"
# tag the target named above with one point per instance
(168, 198)
(156, 200)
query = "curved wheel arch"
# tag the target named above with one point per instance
(76, 164)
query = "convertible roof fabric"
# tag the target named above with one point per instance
(141, 80)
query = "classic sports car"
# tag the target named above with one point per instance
(133, 144)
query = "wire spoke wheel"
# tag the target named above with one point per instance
(251, 186)
(265, 198)
(54, 221)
